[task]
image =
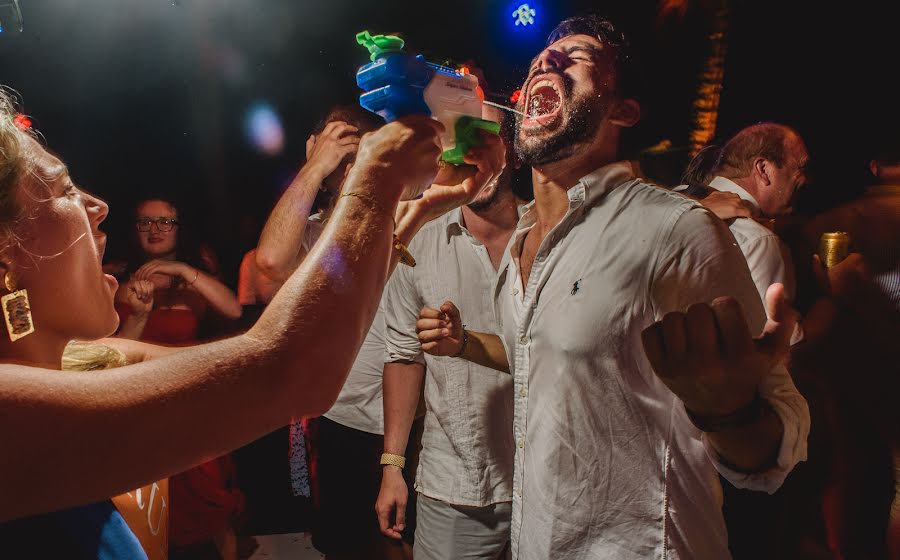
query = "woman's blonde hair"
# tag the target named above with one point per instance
(87, 356)
(12, 163)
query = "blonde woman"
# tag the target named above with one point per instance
(75, 438)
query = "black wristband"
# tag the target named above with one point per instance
(744, 416)
(465, 342)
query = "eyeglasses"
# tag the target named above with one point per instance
(162, 224)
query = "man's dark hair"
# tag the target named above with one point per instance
(355, 115)
(627, 77)
(364, 120)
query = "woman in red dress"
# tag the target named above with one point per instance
(170, 286)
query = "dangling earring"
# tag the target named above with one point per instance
(16, 310)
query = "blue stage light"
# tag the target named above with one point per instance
(263, 128)
(524, 15)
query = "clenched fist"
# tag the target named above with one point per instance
(401, 155)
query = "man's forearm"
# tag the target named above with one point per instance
(486, 350)
(402, 386)
(281, 241)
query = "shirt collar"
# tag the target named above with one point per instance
(454, 221)
(587, 191)
(727, 185)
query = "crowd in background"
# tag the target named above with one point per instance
(354, 475)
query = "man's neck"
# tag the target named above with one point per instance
(745, 183)
(499, 219)
(551, 182)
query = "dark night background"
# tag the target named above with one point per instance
(150, 96)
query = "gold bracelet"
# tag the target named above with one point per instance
(398, 461)
(367, 197)
(405, 256)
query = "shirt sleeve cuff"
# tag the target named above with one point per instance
(396, 354)
(779, 390)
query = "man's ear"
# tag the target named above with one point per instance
(761, 169)
(626, 114)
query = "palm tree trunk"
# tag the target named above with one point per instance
(706, 106)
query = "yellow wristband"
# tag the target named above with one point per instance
(398, 461)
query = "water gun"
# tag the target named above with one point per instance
(398, 84)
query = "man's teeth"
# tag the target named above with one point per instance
(539, 102)
(543, 83)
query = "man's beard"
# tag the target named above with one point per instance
(581, 121)
(480, 204)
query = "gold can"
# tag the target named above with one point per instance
(833, 247)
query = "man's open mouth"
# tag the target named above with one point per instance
(543, 103)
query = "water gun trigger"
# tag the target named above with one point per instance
(467, 136)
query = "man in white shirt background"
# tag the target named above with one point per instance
(765, 165)
(464, 475)
(615, 457)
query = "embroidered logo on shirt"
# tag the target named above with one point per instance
(576, 286)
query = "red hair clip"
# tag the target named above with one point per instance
(22, 121)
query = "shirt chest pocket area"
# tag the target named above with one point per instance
(584, 312)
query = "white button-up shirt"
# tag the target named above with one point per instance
(767, 256)
(467, 445)
(607, 463)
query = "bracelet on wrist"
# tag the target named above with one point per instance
(196, 276)
(398, 461)
(465, 342)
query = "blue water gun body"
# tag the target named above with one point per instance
(398, 84)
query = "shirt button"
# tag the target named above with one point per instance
(522, 443)
(522, 339)
(523, 392)
(515, 291)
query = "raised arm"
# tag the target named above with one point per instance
(281, 249)
(76, 437)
